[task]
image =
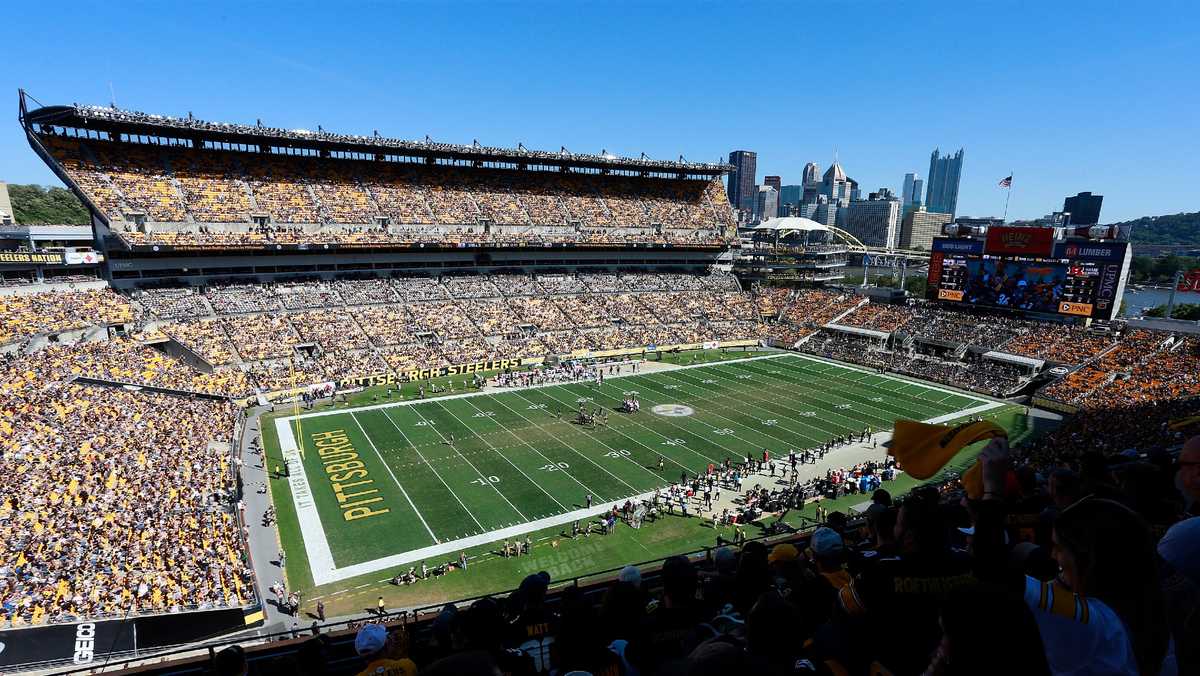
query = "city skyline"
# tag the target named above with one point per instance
(545, 91)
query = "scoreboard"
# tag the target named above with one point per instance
(1075, 278)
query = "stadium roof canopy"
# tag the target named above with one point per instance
(858, 331)
(1019, 360)
(792, 223)
(117, 121)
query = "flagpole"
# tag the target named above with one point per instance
(1007, 198)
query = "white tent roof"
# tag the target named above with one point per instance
(792, 223)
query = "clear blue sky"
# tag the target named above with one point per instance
(1099, 96)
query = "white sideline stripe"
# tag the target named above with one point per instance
(970, 411)
(465, 395)
(887, 376)
(450, 546)
(316, 545)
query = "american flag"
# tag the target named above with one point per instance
(1006, 182)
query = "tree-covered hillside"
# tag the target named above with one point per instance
(1170, 229)
(39, 205)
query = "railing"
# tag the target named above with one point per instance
(421, 614)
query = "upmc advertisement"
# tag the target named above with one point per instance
(1027, 271)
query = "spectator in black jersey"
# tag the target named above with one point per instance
(717, 587)
(532, 621)
(752, 576)
(482, 629)
(669, 632)
(622, 611)
(578, 646)
(910, 585)
(774, 648)
(974, 617)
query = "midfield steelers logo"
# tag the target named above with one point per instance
(673, 410)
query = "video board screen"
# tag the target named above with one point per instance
(1077, 279)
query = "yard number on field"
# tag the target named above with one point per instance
(485, 480)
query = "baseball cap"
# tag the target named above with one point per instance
(631, 575)
(1180, 548)
(536, 582)
(826, 541)
(725, 558)
(783, 552)
(371, 639)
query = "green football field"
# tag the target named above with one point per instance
(385, 486)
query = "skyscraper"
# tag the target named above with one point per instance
(1084, 208)
(911, 194)
(875, 221)
(791, 194)
(810, 182)
(789, 198)
(773, 181)
(741, 179)
(920, 227)
(812, 173)
(766, 206)
(836, 186)
(945, 173)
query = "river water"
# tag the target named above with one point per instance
(1136, 300)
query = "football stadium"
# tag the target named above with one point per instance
(309, 402)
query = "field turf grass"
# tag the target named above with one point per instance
(517, 458)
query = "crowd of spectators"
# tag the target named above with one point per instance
(981, 375)
(425, 322)
(211, 199)
(114, 501)
(1062, 343)
(24, 315)
(962, 325)
(1069, 564)
(1144, 368)
(878, 317)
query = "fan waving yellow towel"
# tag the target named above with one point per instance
(923, 449)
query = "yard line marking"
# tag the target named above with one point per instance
(748, 414)
(885, 376)
(414, 402)
(497, 452)
(789, 418)
(906, 399)
(450, 546)
(719, 415)
(888, 417)
(472, 465)
(669, 421)
(393, 475)
(435, 472)
(531, 446)
(660, 435)
(658, 478)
